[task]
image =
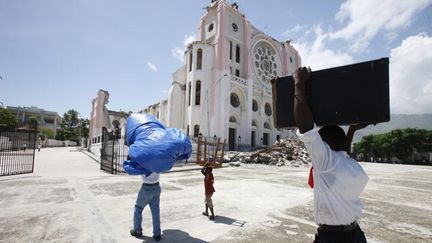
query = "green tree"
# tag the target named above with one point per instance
(7, 118)
(69, 125)
(47, 132)
(33, 123)
(400, 143)
(84, 125)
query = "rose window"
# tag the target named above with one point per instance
(265, 62)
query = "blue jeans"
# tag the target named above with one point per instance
(148, 194)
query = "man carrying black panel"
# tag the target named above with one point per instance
(338, 180)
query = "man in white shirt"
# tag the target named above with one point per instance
(338, 179)
(149, 194)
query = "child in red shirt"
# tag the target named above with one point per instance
(209, 190)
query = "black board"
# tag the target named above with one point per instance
(356, 93)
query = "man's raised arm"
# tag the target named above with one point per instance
(302, 113)
(350, 134)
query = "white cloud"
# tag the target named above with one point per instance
(300, 33)
(296, 29)
(411, 75)
(317, 55)
(178, 52)
(390, 37)
(188, 39)
(366, 18)
(152, 66)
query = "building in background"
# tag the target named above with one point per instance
(102, 117)
(223, 88)
(47, 119)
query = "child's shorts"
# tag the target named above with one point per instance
(208, 201)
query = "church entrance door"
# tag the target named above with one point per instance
(253, 139)
(231, 139)
(265, 139)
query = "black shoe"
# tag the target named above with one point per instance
(157, 237)
(136, 234)
(212, 217)
(205, 213)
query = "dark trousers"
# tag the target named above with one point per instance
(354, 236)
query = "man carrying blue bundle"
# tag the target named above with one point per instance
(153, 149)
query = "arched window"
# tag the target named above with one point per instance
(199, 59)
(189, 92)
(190, 60)
(187, 130)
(254, 105)
(268, 109)
(232, 119)
(235, 101)
(196, 131)
(254, 123)
(267, 125)
(198, 92)
(237, 53)
(230, 50)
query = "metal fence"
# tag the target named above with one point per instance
(17, 151)
(113, 152)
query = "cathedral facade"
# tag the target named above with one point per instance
(223, 88)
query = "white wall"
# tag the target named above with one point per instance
(58, 143)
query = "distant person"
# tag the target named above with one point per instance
(207, 171)
(39, 147)
(337, 179)
(24, 147)
(149, 194)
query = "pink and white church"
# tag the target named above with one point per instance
(223, 87)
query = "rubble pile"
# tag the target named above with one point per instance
(286, 152)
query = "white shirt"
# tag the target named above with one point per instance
(151, 179)
(338, 182)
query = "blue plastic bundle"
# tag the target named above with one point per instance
(152, 146)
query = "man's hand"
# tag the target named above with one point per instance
(301, 75)
(273, 79)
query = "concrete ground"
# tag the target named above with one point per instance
(68, 199)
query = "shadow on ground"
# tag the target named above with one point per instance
(229, 221)
(174, 235)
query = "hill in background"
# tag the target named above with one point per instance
(397, 121)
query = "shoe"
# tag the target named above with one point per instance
(205, 213)
(157, 237)
(136, 234)
(212, 217)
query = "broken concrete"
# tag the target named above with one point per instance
(287, 152)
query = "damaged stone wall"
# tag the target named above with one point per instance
(287, 152)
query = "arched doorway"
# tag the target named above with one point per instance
(232, 131)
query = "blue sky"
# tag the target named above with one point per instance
(56, 54)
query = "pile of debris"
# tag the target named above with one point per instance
(287, 152)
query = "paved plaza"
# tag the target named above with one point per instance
(68, 199)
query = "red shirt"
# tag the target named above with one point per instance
(208, 184)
